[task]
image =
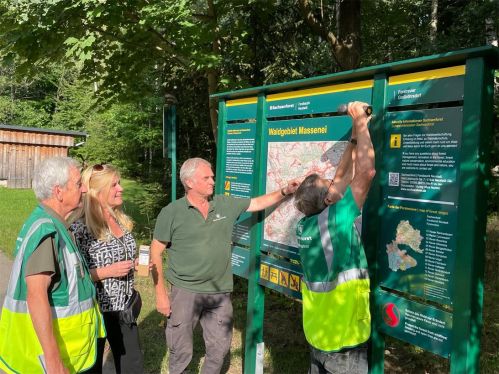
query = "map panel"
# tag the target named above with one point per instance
(297, 148)
(418, 250)
(289, 160)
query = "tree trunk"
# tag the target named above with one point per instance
(345, 46)
(213, 104)
(212, 73)
(433, 22)
(150, 151)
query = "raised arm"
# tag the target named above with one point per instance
(364, 170)
(162, 301)
(344, 172)
(272, 198)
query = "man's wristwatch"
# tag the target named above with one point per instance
(353, 141)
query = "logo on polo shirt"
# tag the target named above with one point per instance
(218, 217)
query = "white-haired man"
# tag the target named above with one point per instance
(199, 228)
(50, 320)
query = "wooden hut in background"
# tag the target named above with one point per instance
(22, 148)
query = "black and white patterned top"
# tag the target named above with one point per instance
(112, 293)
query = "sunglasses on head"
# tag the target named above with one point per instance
(98, 167)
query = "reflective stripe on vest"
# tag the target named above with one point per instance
(342, 277)
(327, 242)
(76, 325)
(328, 249)
(71, 260)
(16, 266)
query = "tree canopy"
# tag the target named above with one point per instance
(105, 67)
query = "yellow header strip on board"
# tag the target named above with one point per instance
(246, 100)
(321, 90)
(427, 75)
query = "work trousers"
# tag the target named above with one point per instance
(346, 361)
(214, 313)
(125, 346)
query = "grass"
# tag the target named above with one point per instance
(286, 350)
(489, 359)
(285, 346)
(17, 204)
(15, 207)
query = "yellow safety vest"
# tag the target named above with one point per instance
(76, 319)
(335, 286)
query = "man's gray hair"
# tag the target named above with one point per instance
(309, 197)
(51, 172)
(189, 168)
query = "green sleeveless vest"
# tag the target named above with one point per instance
(335, 286)
(76, 320)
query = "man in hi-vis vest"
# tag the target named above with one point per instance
(335, 287)
(50, 320)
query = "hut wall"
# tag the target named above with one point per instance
(20, 152)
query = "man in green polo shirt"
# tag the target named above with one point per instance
(198, 228)
(335, 289)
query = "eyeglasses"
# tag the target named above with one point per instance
(328, 187)
(330, 184)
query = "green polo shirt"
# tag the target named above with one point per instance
(199, 258)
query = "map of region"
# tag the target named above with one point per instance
(406, 235)
(290, 160)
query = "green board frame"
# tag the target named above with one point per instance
(170, 144)
(410, 100)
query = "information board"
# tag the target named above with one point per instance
(424, 225)
(238, 166)
(420, 198)
(302, 134)
(279, 275)
(311, 139)
(419, 324)
(317, 100)
(430, 86)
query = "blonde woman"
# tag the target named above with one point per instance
(103, 234)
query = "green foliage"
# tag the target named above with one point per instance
(394, 30)
(119, 44)
(461, 23)
(143, 201)
(119, 136)
(128, 135)
(108, 74)
(24, 101)
(23, 112)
